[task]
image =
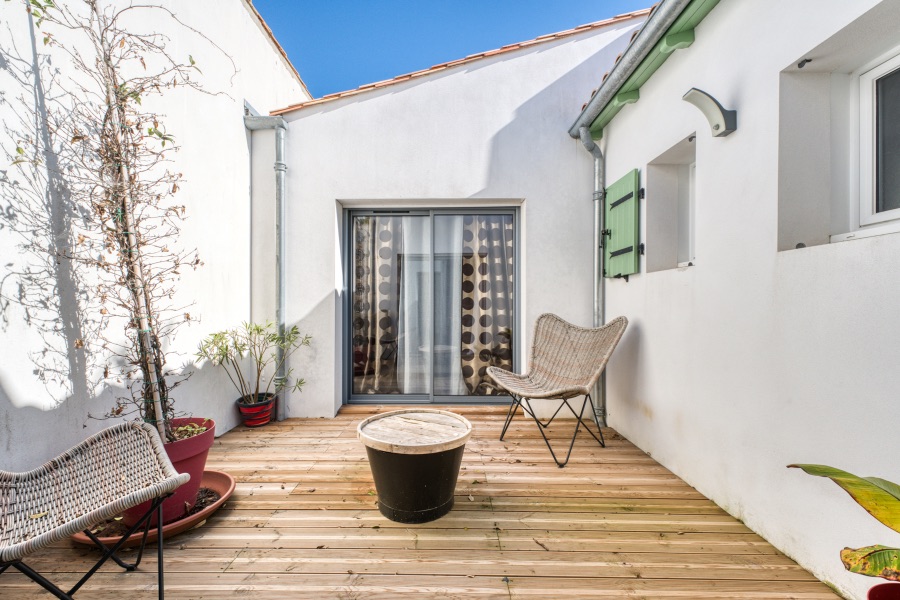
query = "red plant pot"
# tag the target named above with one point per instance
(187, 456)
(884, 591)
(258, 413)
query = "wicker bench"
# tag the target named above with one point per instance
(566, 362)
(118, 468)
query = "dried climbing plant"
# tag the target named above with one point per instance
(112, 155)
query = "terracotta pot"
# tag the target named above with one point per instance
(884, 591)
(258, 413)
(187, 456)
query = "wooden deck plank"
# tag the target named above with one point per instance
(303, 523)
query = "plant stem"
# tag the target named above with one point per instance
(131, 252)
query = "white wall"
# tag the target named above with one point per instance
(755, 358)
(38, 421)
(487, 133)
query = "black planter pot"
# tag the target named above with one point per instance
(415, 488)
(415, 455)
(257, 413)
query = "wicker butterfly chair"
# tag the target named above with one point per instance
(116, 469)
(566, 362)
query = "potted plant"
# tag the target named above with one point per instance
(881, 499)
(111, 157)
(268, 351)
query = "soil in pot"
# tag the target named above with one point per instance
(188, 456)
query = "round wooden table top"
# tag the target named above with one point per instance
(415, 431)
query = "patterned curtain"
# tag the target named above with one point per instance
(376, 304)
(488, 272)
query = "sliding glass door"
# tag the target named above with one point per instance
(432, 304)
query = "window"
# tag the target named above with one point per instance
(671, 207)
(432, 304)
(879, 143)
(839, 135)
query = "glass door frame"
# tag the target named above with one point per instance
(350, 267)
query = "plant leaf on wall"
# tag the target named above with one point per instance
(879, 497)
(874, 561)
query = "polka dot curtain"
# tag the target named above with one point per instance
(480, 326)
(488, 271)
(376, 304)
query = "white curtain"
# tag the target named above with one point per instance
(448, 235)
(414, 343)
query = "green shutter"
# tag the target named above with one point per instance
(620, 244)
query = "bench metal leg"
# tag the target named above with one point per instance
(144, 521)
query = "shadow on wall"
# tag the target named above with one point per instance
(522, 146)
(50, 312)
(319, 364)
(45, 298)
(627, 389)
(529, 159)
(30, 436)
(39, 284)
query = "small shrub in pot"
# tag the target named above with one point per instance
(267, 351)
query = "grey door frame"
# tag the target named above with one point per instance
(350, 267)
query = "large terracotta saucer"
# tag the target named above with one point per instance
(221, 483)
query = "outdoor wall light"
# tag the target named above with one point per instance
(720, 120)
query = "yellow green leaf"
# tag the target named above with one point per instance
(881, 498)
(874, 561)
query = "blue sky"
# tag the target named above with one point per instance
(339, 45)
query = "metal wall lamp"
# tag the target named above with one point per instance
(720, 120)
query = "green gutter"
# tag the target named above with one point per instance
(679, 35)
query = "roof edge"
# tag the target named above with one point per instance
(462, 61)
(662, 17)
(646, 53)
(262, 22)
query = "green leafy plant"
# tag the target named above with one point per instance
(268, 351)
(881, 499)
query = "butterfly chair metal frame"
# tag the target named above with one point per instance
(566, 362)
(118, 468)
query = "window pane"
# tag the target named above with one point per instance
(473, 290)
(390, 313)
(887, 142)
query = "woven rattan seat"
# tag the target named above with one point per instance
(566, 362)
(116, 469)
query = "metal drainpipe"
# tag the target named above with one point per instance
(277, 123)
(599, 300)
(659, 21)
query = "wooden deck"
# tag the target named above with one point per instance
(303, 524)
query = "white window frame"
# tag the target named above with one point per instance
(691, 217)
(867, 159)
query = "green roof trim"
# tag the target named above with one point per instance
(679, 35)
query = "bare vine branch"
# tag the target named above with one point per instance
(112, 219)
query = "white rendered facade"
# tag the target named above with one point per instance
(486, 134)
(779, 344)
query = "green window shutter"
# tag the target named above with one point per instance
(620, 245)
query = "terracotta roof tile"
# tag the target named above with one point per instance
(268, 30)
(634, 35)
(472, 57)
